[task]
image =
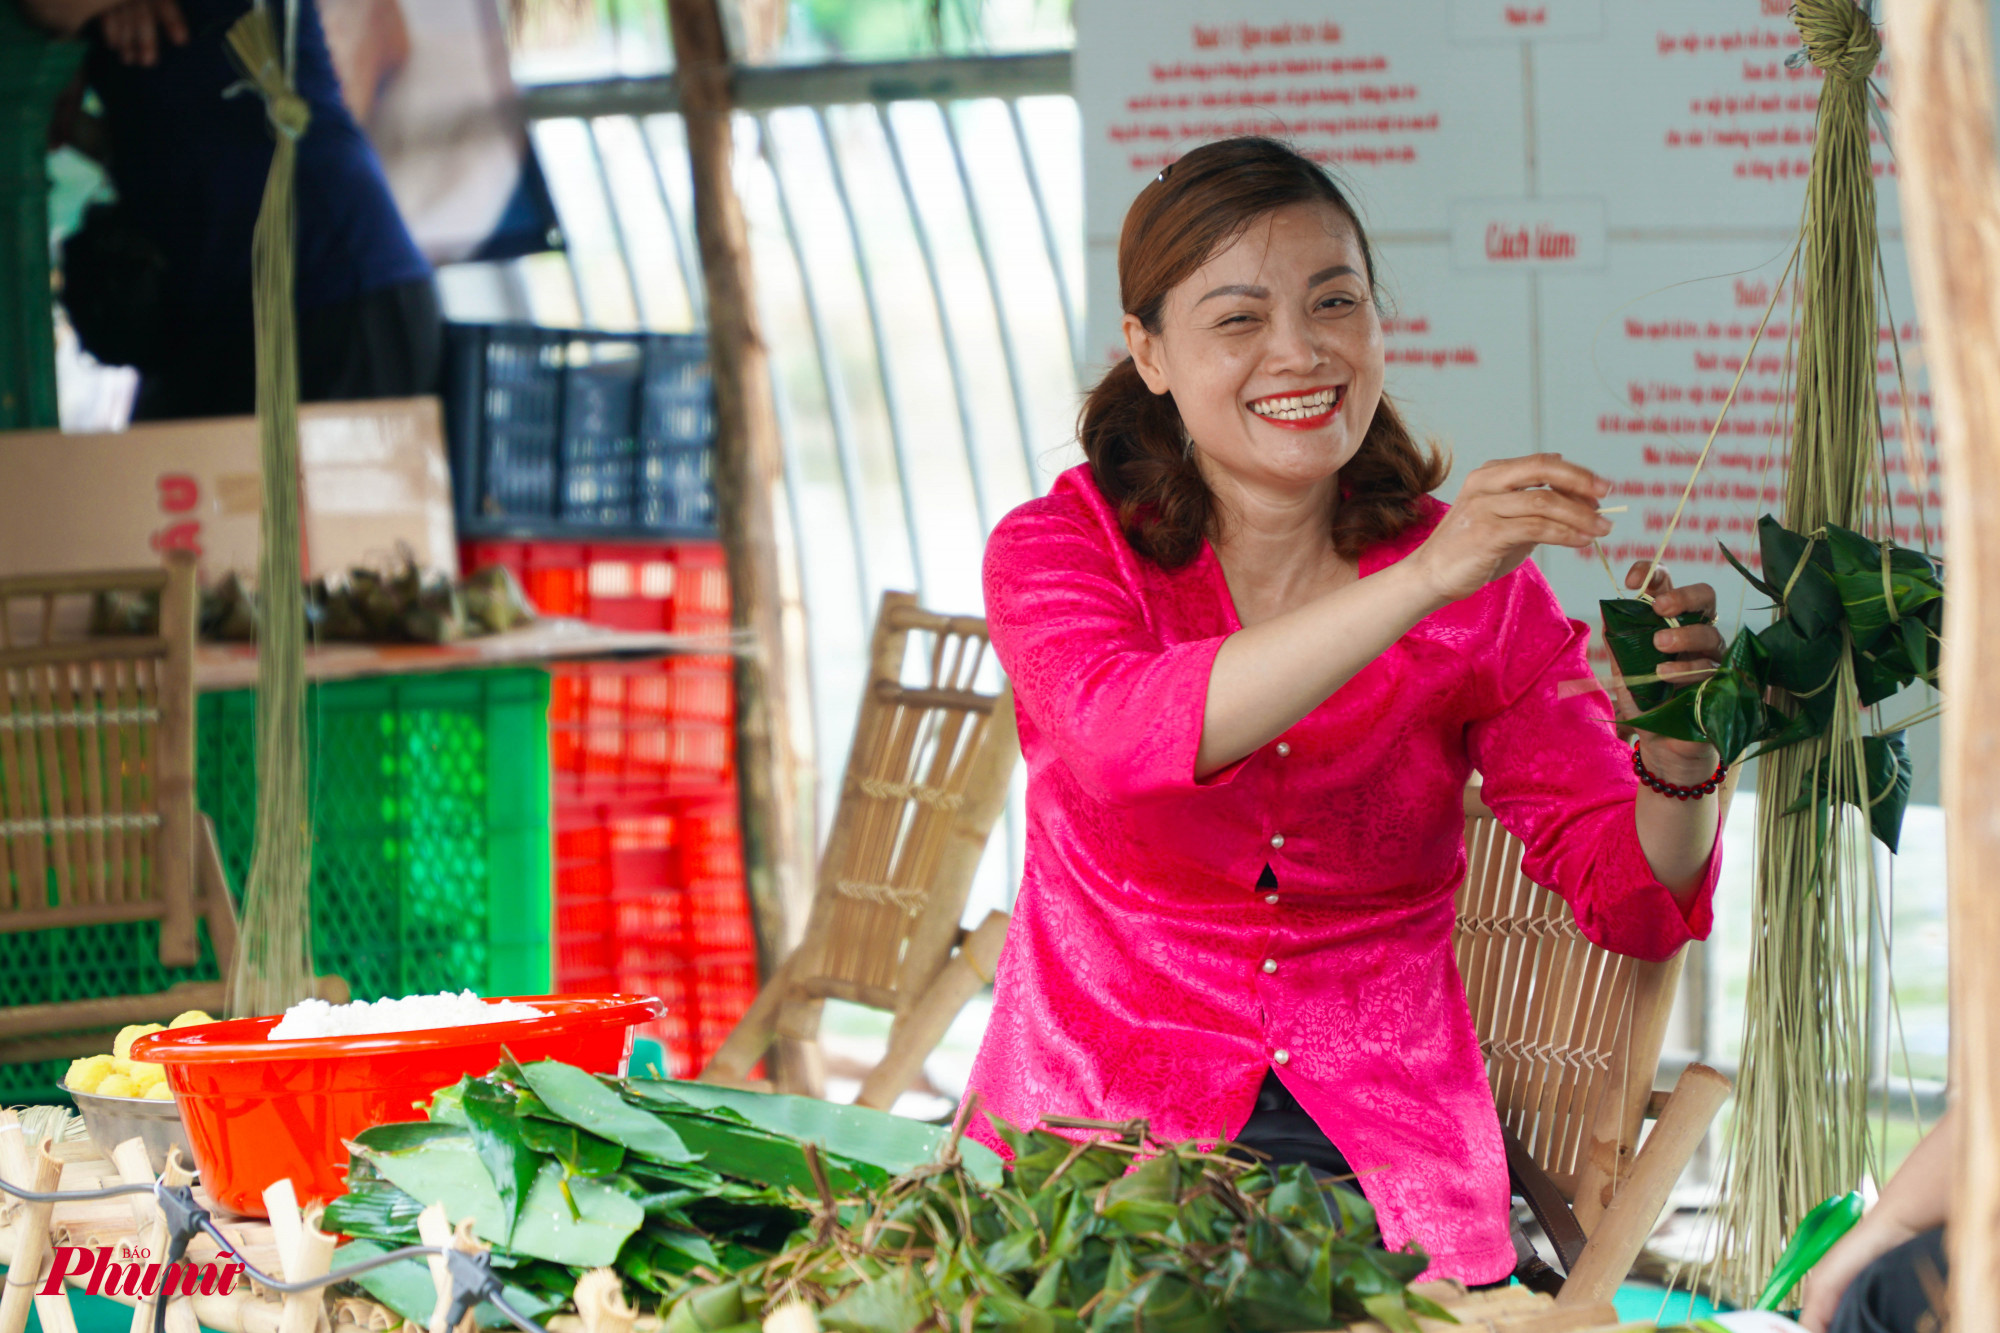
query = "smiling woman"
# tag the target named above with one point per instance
(1254, 666)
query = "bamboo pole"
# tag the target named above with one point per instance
(774, 760)
(1950, 187)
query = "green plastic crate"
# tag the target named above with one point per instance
(430, 800)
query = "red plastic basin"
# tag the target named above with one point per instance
(258, 1111)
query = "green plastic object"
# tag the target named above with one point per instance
(1816, 1234)
(34, 67)
(430, 855)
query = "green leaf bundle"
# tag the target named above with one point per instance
(1078, 1240)
(562, 1171)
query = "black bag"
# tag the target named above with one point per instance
(114, 288)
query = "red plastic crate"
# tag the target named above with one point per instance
(705, 1000)
(650, 899)
(660, 727)
(676, 587)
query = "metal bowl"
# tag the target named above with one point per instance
(112, 1120)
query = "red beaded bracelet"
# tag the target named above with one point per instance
(1694, 793)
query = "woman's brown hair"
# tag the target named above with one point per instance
(1133, 437)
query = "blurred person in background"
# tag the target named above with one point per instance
(160, 279)
(1883, 1276)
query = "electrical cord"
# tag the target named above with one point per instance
(472, 1278)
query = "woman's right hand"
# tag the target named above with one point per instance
(1503, 512)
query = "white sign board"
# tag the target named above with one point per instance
(1582, 210)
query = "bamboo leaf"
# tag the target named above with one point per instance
(875, 1143)
(1875, 599)
(446, 1171)
(1802, 665)
(546, 1229)
(1389, 1310)
(582, 1100)
(488, 1111)
(580, 1152)
(1729, 706)
(706, 1310)
(1629, 627)
(406, 1288)
(1812, 603)
(1890, 771)
(1675, 719)
(891, 1303)
(383, 1213)
(1802, 726)
(1770, 590)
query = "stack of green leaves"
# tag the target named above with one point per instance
(562, 1171)
(718, 1206)
(1078, 1241)
(1854, 615)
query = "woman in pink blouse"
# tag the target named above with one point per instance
(1255, 664)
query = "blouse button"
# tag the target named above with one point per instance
(1271, 898)
(1270, 965)
(1284, 748)
(1282, 1057)
(1277, 840)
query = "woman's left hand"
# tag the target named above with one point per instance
(1697, 650)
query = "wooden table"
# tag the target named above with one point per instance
(233, 666)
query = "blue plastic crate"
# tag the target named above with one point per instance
(564, 434)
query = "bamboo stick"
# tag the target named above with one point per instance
(304, 1252)
(1635, 1209)
(774, 735)
(41, 1172)
(925, 1022)
(1950, 188)
(134, 1169)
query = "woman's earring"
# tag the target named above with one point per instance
(1187, 445)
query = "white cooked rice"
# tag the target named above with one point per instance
(414, 1013)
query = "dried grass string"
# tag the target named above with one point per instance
(273, 964)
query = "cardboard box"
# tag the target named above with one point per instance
(373, 484)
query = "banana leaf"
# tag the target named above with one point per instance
(586, 1103)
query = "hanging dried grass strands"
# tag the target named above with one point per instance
(1800, 1130)
(273, 968)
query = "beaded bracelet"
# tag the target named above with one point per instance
(1664, 788)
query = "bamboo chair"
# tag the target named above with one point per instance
(1572, 1036)
(97, 804)
(926, 779)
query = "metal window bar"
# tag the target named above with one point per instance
(972, 334)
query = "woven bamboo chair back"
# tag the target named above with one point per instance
(926, 779)
(97, 803)
(1571, 1032)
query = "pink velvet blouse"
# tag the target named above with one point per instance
(1145, 974)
